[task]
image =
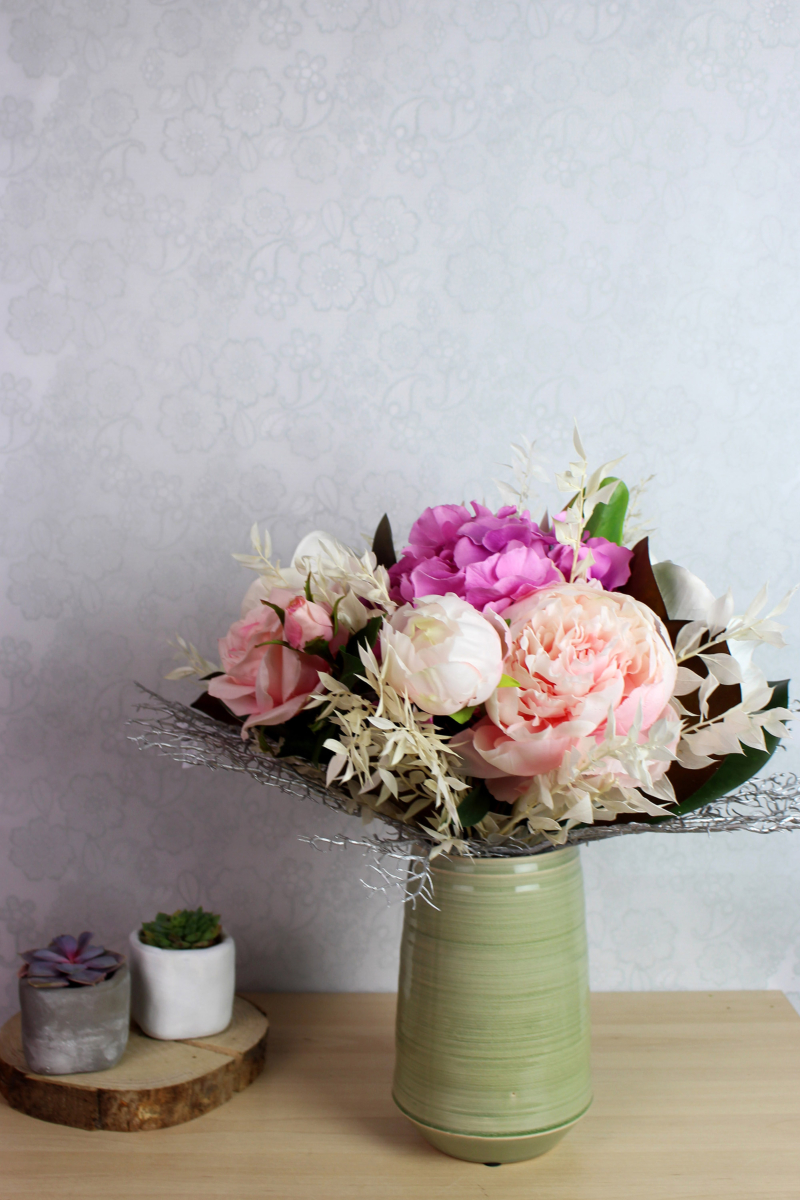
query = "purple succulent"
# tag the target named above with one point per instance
(69, 961)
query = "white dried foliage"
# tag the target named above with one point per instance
(526, 466)
(194, 662)
(595, 782)
(635, 525)
(585, 493)
(390, 756)
(744, 723)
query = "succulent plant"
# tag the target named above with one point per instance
(186, 929)
(69, 962)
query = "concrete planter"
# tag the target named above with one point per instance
(182, 993)
(67, 1031)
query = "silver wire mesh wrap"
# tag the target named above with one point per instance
(188, 736)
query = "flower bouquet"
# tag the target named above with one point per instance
(494, 694)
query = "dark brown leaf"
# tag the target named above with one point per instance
(642, 583)
(382, 544)
(212, 707)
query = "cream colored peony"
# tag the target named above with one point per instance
(442, 653)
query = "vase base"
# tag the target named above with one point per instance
(494, 1151)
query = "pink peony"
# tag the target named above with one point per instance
(492, 559)
(265, 683)
(576, 652)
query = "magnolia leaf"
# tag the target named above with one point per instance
(642, 582)
(736, 769)
(686, 596)
(383, 545)
(607, 519)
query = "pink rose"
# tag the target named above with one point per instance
(306, 621)
(576, 652)
(265, 683)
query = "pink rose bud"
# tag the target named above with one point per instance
(306, 621)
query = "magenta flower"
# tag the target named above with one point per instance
(492, 560)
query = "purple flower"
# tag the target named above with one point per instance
(611, 562)
(491, 560)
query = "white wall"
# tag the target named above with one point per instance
(307, 262)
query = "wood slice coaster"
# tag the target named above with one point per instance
(154, 1084)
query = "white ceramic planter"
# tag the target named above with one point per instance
(182, 993)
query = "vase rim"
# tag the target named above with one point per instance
(506, 864)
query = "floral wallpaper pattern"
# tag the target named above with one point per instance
(305, 262)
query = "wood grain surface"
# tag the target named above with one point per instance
(156, 1084)
(697, 1095)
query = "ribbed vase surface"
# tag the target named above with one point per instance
(493, 1006)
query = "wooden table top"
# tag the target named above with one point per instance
(697, 1094)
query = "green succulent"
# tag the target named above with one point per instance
(186, 929)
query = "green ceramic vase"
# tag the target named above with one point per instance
(493, 1007)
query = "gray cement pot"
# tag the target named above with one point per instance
(66, 1031)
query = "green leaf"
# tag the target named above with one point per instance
(276, 608)
(383, 545)
(463, 714)
(607, 520)
(351, 668)
(307, 589)
(735, 769)
(303, 736)
(507, 681)
(352, 665)
(369, 633)
(319, 647)
(475, 805)
(335, 615)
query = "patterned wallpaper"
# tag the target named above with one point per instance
(307, 261)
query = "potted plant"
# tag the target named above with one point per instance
(183, 969)
(75, 1003)
(498, 694)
